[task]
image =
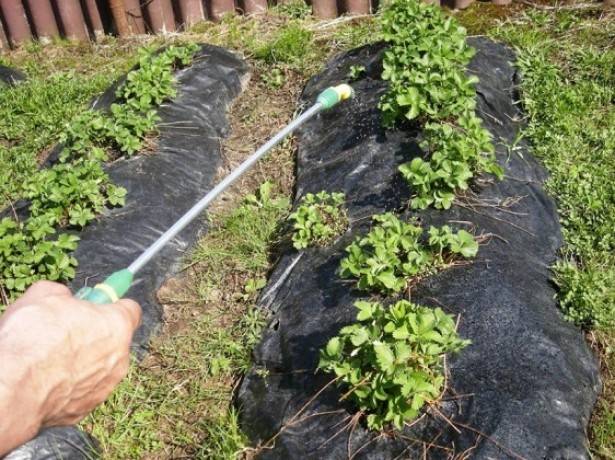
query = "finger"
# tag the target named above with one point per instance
(42, 290)
(130, 310)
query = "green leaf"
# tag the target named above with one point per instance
(334, 347)
(384, 356)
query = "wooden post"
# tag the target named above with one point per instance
(254, 6)
(118, 10)
(93, 16)
(4, 42)
(324, 9)
(134, 13)
(218, 8)
(43, 19)
(192, 11)
(462, 4)
(73, 21)
(161, 17)
(358, 6)
(17, 26)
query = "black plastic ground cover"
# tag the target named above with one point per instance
(59, 443)
(527, 383)
(10, 76)
(161, 186)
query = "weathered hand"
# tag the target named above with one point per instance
(59, 358)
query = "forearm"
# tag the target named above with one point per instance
(20, 411)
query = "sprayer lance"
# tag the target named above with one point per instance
(118, 283)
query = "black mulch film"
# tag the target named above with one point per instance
(10, 77)
(162, 186)
(59, 443)
(527, 383)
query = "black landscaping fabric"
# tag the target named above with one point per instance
(161, 186)
(59, 443)
(10, 76)
(527, 383)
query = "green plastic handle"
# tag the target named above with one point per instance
(333, 95)
(109, 291)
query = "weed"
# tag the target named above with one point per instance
(245, 237)
(290, 45)
(356, 72)
(293, 9)
(566, 81)
(392, 359)
(274, 79)
(177, 403)
(319, 219)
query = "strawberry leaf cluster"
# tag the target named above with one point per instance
(455, 152)
(392, 359)
(425, 63)
(71, 193)
(319, 219)
(426, 69)
(394, 252)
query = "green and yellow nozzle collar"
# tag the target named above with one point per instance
(110, 290)
(334, 95)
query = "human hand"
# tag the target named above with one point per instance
(59, 358)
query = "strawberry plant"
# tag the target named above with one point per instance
(27, 256)
(393, 252)
(425, 66)
(319, 219)
(455, 153)
(391, 361)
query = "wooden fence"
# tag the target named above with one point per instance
(23, 20)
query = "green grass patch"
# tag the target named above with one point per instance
(568, 92)
(289, 46)
(178, 401)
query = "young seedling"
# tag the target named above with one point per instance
(356, 72)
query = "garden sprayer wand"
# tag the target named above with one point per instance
(118, 283)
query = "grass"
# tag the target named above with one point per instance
(568, 78)
(567, 59)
